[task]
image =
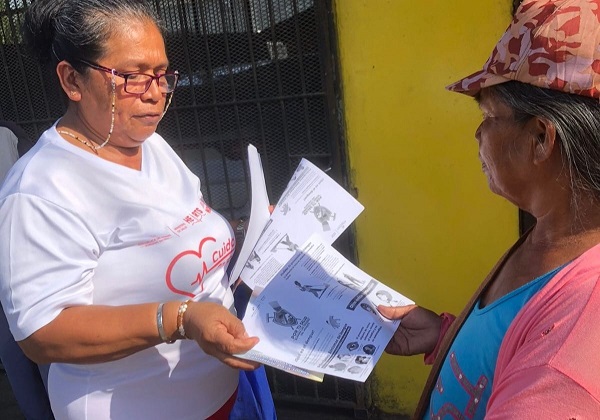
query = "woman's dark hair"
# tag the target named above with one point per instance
(577, 122)
(73, 30)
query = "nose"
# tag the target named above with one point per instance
(153, 91)
(478, 133)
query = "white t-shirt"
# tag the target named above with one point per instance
(80, 230)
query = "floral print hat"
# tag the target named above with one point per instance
(550, 44)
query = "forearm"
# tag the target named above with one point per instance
(95, 334)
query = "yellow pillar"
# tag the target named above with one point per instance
(431, 229)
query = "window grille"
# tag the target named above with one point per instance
(252, 71)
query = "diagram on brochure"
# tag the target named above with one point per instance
(313, 310)
(311, 203)
(318, 315)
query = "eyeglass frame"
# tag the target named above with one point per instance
(126, 76)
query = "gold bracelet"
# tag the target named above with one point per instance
(161, 327)
(182, 308)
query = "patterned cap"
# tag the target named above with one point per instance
(550, 44)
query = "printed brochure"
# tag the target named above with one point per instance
(313, 310)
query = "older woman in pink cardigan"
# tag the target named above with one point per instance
(525, 346)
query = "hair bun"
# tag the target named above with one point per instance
(39, 27)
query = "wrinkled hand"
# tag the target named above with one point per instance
(219, 333)
(418, 331)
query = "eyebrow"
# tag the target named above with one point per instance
(142, 69)
(143, 66)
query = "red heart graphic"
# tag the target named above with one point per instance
(200, 273)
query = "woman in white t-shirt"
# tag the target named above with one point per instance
(112, 266)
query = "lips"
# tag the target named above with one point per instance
(150, 118)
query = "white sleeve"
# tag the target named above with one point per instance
(47, 260)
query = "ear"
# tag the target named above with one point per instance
(545, 143)
(70, 80)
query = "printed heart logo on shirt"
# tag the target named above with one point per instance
(179, 279)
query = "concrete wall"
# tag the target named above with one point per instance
(431, 228)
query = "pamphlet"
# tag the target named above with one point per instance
(318, 315)
(311, 203)
(313, 310)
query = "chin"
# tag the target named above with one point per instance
(143, 135)
(493, 188)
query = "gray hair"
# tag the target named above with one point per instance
(577, 122)
(74, 30)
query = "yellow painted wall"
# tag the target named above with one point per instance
(431, 229)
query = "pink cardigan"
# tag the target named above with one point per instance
(548, 365)
(549, 362)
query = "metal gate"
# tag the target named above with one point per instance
(252, 71)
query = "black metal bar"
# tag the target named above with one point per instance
(223, 15)
(324, 17)
(300, 56)
(174, 113)
(210, 71)
(182, 17)
(286, 135)
(184, 31)
(249, 31)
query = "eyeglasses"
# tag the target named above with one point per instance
(139, 83)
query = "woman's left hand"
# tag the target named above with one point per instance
(219, 333)
(418, 332)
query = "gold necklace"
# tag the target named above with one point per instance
(79, 139)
